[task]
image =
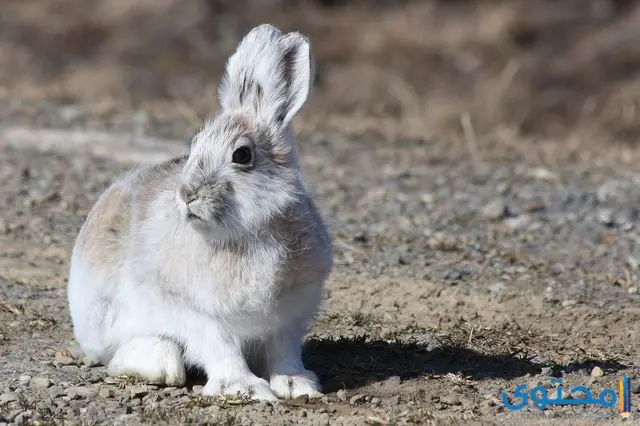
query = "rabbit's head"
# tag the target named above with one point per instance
(243, 167)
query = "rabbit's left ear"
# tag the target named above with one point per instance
(270, 74)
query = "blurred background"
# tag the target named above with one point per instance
(476, 162)
(517, 70)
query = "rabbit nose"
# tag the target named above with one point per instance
(187, 194)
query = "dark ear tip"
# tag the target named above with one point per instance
(293, 42)
(295, 39)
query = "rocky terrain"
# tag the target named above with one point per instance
(485, 212)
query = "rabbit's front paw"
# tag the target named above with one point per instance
(151, 358)
(252, 388)
(296, 384)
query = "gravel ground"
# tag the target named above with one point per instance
(477, 163)
(456, 279)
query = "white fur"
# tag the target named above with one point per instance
(232, 295)
(258, 59)
(155, 359)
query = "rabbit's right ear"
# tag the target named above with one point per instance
(270, 74)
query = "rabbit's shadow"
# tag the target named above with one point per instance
(349, 363)
(353, 362)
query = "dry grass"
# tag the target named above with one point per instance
(485, 73)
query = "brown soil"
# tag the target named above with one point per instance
(476, 160)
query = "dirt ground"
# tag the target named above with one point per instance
(476, 160)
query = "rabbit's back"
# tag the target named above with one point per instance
(103, 245)
(105, 235)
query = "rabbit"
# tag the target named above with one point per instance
(218, 259)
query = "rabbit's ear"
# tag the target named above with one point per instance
(270, 74)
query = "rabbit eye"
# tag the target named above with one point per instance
(242, 155)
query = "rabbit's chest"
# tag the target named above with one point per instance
(244, 286)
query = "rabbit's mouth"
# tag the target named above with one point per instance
(191, 217)
(205, 212)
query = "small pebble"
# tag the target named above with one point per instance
(356, 399)
(183, 400)
(626, 226)
(324, 419)
(495, 209)
(450, 399)
(40, 383)
(610, 190)
(73, 412)
(64, 360)
(197, 389)
(543, 174)
(635, 387)
(605, 217)
(546, 371)
(496, 288)
(70, 369)
(62, 353)
(89, 362)
(456, 274)
(105, 393)
(139, 391)
(342, 395)
(81, 392)
(69, 112)
(12, 415)
(9, 397)
(92, 376)
(152, 399)
(22, 418)
(178, 392)
(558, 268)
(597, 372)
(299, 401)
(75, 351)
(55, 392)
(519, 222)
(575, 395)
(24, 379)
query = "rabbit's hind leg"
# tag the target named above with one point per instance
(153, 359)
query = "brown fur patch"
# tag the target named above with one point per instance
(238, 123)
(106, 226)
(276, 148)
(105, 232)
(152, 179)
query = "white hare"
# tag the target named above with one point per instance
(217, 259)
